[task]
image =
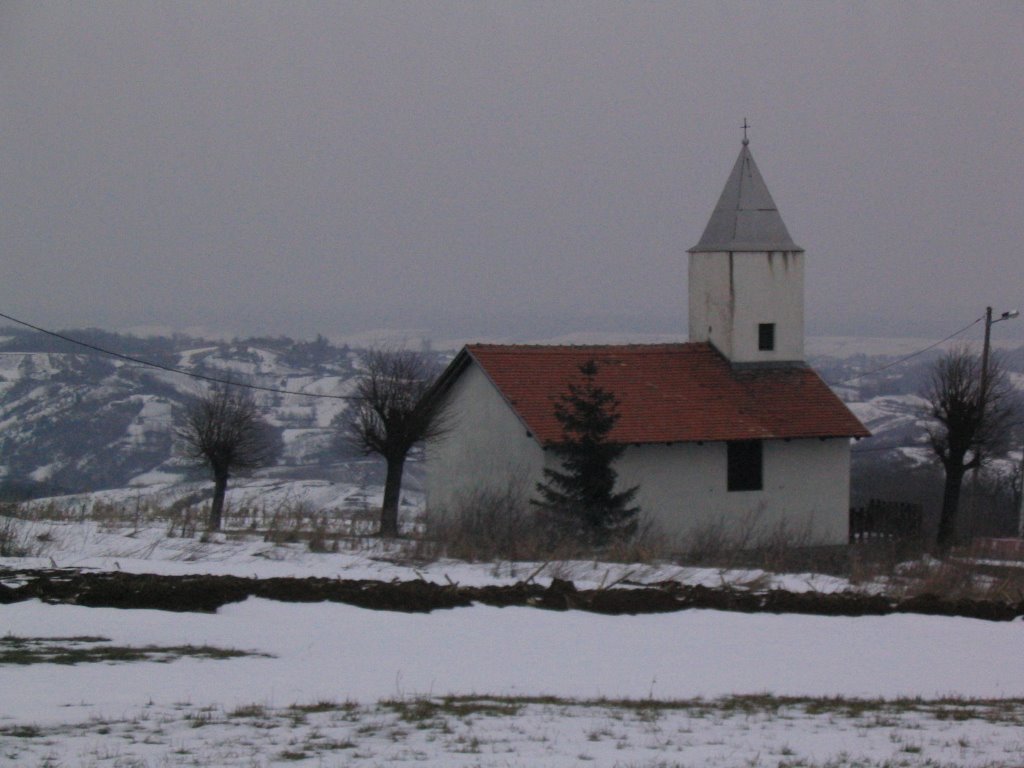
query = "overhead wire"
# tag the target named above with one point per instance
(904, 359)
(171, 368)
(281, 391)
(856, 451)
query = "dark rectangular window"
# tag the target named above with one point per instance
(766, 337)
(745, 465)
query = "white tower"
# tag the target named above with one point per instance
(747, 275)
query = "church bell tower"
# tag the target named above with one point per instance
(746, 276)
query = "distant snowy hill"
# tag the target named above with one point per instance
(73, 420)
(896, 463)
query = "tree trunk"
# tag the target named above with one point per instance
(220, 487)
(950, 507)
(392, 493)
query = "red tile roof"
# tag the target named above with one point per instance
(667, 392)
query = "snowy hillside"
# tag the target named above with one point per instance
(886, 394)
(75, 421)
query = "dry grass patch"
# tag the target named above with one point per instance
(87, 649)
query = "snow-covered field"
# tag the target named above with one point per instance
(333, 685)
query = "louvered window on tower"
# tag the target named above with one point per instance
(766, 337)
(745, 465)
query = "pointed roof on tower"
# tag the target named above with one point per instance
(745, 218)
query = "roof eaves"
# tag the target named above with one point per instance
(734, 247)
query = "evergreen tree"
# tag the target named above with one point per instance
(579, 499)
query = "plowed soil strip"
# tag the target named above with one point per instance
(208, 593)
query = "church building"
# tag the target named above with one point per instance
(729, 432)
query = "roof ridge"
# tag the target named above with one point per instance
(551, 347)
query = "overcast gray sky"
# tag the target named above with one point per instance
(500, 168)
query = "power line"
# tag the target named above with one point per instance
(904, 359)
(171, 368)
(279, 391)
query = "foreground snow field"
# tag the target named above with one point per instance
(327, 667)
(334, 685)
(339, 652)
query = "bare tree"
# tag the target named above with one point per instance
(223, 429)
(973, 414)
(395, 408)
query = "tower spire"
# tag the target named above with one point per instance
(745, 218)
(747, 275)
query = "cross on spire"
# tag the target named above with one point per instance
(746, 219)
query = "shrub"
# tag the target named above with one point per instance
(487, 525)
(501, 524)
(780, 547)
(12, 543)
(19, 538)
(320, 539)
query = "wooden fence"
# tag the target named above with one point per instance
(886, 520)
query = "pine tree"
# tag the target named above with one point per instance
(579, 499)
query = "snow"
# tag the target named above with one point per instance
(153, 418)
(359, 676)
(338, 653)
(155, 477)
(152, 548)
(42, 474)
(188, 358)
(11, 364)
(888, 410)
(162, 488)
(302, 445)
(919, 454)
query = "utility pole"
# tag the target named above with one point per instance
(1020, 511)
(983, 392)
(989, 322)
(983, 395)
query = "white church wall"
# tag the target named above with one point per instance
(711, 300)
(732, 293)
(487, 448)
(682, 488)
(773, 286)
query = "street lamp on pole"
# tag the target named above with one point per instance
(989, 322)
(983, 394)
(983, 390)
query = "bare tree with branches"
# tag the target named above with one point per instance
(395, 408)
(973, 414)
(223, 429)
